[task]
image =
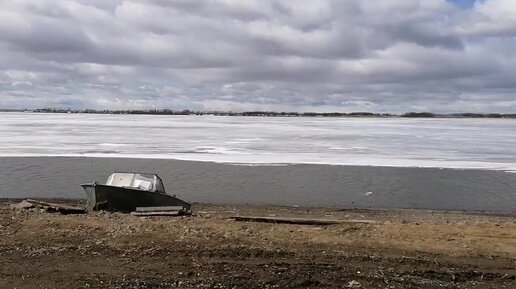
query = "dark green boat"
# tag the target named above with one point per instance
(124, 192)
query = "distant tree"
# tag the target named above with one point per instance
(418, 114)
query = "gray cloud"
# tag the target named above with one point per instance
(328, 55)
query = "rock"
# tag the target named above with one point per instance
(354, 284)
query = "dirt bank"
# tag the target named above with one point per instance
(404, 249)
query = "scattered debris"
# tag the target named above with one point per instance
(297, 221)
(49, 207)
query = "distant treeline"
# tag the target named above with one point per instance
(268, 113)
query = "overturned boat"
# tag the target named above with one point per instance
(124, 192)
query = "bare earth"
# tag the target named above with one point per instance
(404, 249)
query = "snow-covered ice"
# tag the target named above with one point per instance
(446, 143)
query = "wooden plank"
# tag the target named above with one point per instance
(163, 213)
(160, 209)
(297, 221)
(61, 208)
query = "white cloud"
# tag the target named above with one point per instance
(344, 55)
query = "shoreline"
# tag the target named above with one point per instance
(369, 210)
(167, 112)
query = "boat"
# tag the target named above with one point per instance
(124, 192)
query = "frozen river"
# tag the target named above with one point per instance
(399, 142)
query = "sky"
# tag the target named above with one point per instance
(392, 56)
(463, 3)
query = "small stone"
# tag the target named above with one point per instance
(354, 284)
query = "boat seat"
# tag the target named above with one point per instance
(143, 185)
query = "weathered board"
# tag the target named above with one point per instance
(157, 213)
(52, 207)
(298, 221)
(160, 209)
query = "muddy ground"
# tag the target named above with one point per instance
(403, 249)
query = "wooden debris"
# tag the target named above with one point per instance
(161, 211)
(49, 207)
(298, 221)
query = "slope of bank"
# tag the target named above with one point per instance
(402, 249)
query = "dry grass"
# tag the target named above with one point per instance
(117, 230)
(403, 249)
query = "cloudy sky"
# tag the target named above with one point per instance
(320, 55)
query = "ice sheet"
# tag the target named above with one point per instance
(447, 143)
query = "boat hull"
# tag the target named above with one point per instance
(111, 198)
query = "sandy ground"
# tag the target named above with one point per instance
(403, 249)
